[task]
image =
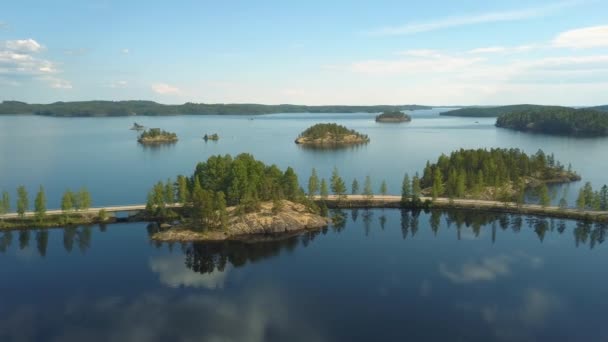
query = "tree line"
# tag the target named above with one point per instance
(557, 120)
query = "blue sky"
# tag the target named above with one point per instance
(306, 52)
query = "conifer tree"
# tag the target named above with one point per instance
(406, 189)
(543, 195)
(324, 190)
(313, 183)
(383, 188)
(23, 203)
(337, 184)
(40, 204)
(367, 188)
(355, 187)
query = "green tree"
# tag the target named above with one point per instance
(416, 189)
(67, 204)
(337, 184)
(183, 194)
(23, 202)
(40, 204)
(313, 183)
(461, 182)
(581, 203)
(169, 192)
(406, 189)
(367, 188)
(5, 203)
(324, 190)
(222, 212)
(544, 197)
(102, 215)
(603, 198)
(84, 199)
(383, 188)
(355, 187)
(437, 187)
(291, 187)
(563, 203)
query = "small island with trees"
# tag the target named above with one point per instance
(393, 116)
(157, 136)
(213, 137)
(330, 135)
(233, 198)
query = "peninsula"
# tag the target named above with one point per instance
(157, 136)
(582, 122)
(394, 116)
(331, 135)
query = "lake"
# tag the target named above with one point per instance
(103, 154)
(378, 275)
(374, 275)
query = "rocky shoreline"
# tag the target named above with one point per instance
(333, 140)
(289, 219)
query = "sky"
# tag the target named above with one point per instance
(314, 52)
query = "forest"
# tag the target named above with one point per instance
(491, 112)
(157, 134)
(393, 116)
(557, 120)
(505, 172)
(150, 108)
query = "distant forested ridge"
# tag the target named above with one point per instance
(490, 112)
(557, 120)
(603, 108)
(125, 108)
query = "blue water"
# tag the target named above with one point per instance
(103, 154)
(382, 275)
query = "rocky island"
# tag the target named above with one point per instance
(214, 137)
(157, 136)
(331, 135)
(393, 116)
(232, 199)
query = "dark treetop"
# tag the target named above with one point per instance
(490, 112)
(557, 120)
(125, 108)
(393, 116)
(322, 130)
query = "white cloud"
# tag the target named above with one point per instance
(165, 89)
(174, 273)
(125, 51)
(489, 17)
(119, 84)
(421, 53)
(587, 37)
(58, 83)
(488, 269)
(23, 45)
(502, 49)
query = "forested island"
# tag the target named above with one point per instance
(393, 116)
(330, 135)
(233, 198)
(557, 120)
(495, 111)
(157, 136)
(495, 174)
(212, 137)
(151, 108)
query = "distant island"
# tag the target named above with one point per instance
(233, 198)
(157, 136)
(393, 116)
(330, 135)
(214, 137)
(129, 108)
(137, 127)
(557, 120)
(491, 112)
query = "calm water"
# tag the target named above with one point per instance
(380, 275)
(103, 154)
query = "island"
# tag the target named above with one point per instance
(494, 111)
(137, 127)
(157, 136)
(233, 199)
(393, 116)
(581, 122)
(330, 135)
(130, 108)
(214, 137)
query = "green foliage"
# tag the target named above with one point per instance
(490, 112)
(471, 171)
(313, 183)
(406, 189)
(322, 130)
(102, 215)
(183, 193)
(5, 203)
(416, 189)
(367, 188)
(393, 116)
(40, 204)
(169, 192)
(543, 195)
(23, 203)
(157, 134)
(82, 199)
(437, 185)
(383, 188)
(354, 187)
(588, 199)
(337, 184)
(557, 120)
(324, 189)
(290, 186)
(124, 108)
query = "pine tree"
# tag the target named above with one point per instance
(580, 200)
(183, 195)
(367, 188)
(406, 189)
(543, 195)
(40, 204)
(416, 189)
(23, 202)
(461, 184)
(291, 187)
(355, 187)
(67, 204)
(5, 203)
(383, 188)
(437, 188)
(222, 213)
(337, 184)
(563, 204)
(313, 183)
(324, 190)
(84, 199)
(169, 192)
(603, 198)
